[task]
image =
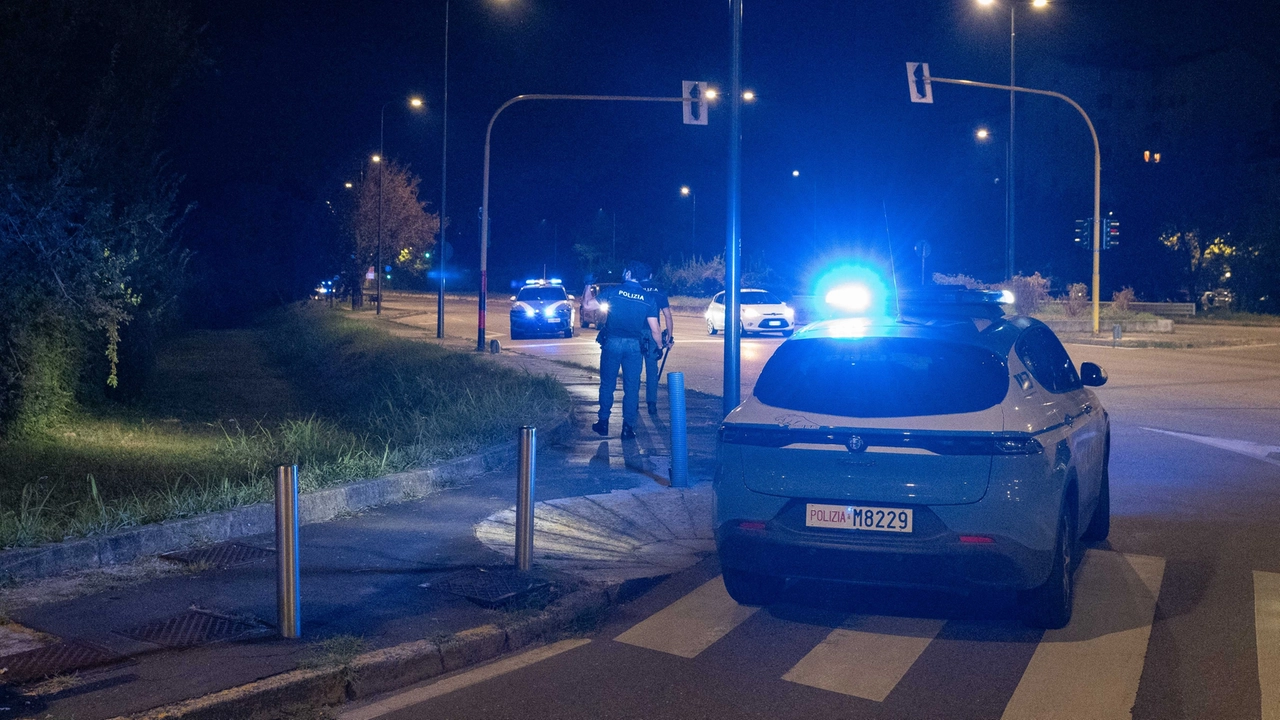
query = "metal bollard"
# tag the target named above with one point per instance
(679, 431)
(288, 604)
(526, 471)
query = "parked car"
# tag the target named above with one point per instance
(542, 307)
(935, 448)
(590, 310)
(761, 311)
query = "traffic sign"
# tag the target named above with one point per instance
(921, 87)
(695, 106)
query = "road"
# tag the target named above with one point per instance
(1177, 614)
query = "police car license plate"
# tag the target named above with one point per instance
(856, 517)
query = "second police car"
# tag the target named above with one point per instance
(541, 307)
(944, 445)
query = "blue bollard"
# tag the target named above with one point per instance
(679, 438)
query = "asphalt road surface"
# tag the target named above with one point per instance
(1177, 615)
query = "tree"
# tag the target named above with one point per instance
(87, 211)
(408, 230)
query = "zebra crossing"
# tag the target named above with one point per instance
(1090, 669)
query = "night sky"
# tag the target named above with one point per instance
(287, 109)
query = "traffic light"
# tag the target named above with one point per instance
(1110, 231)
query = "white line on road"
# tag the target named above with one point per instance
(691, 624)
(1265, 453)
(1266, 623)
(450, 684)
(1091, 668)
(866, 656)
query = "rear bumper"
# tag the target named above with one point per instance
(941, 561)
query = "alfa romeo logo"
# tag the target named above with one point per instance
(856, 444)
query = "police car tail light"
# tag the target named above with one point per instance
(1018, 446)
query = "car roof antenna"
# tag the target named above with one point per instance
(893, 270)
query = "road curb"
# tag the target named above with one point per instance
(380, 671)
(314, 507)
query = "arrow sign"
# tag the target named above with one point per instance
(921, 87)
(695, 104)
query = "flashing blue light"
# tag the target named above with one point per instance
(555, 281)
(530, 282)
(852, 290)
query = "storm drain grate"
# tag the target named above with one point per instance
(222, 556)
(51, 660)
(194, 627)
(489, 586)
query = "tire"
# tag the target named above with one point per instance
(585, 324)
(1100, 522)
(711, 328)
(751, 589)
(787, 333)
(568, 332)
(1049, 605)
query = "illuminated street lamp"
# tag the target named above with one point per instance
(415, 103)
(1009, 185)
(685, 191)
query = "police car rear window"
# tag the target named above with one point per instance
(882, 377)
(542, 293)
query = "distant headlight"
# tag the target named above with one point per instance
(525, 307)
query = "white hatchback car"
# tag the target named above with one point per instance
(762, 311)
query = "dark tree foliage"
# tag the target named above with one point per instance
(88, 266)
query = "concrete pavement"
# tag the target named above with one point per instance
(369, 581)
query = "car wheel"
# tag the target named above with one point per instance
(585, 324)
(711, 328)
(1049, 605)
(568, 332)
(1100, 523)
(787, 333)
(749, 588)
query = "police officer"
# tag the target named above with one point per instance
(651, 376)
(631, 322)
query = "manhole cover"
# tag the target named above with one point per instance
(489, 586)
(222, 556)
(194, 627)
(51, 660)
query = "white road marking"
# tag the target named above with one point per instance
(452, 683)
(1091, 668)
(866, 656)
(1265, 453)
(1266, 623)
(691, 624)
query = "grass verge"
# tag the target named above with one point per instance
(343, 400)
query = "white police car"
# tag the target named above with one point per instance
(942, 446)
(542, 307)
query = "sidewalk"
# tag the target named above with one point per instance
(374, 580)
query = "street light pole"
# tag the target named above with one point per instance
(1097, 173)
(693, 225)
(444, 163)
(484, 197)
(1010, 219)
(733, 248)
(382, 126)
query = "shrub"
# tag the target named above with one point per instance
(1077, 298)
(694, 277)
(1120, 300)
(1029, 293)
(965, 280)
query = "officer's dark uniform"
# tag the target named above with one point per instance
(651, 361)
(630, 308)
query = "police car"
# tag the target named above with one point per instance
(542, 307)
(939, 445)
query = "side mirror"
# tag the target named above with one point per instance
(571, 297)
(1092, 375)
(513, 298)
